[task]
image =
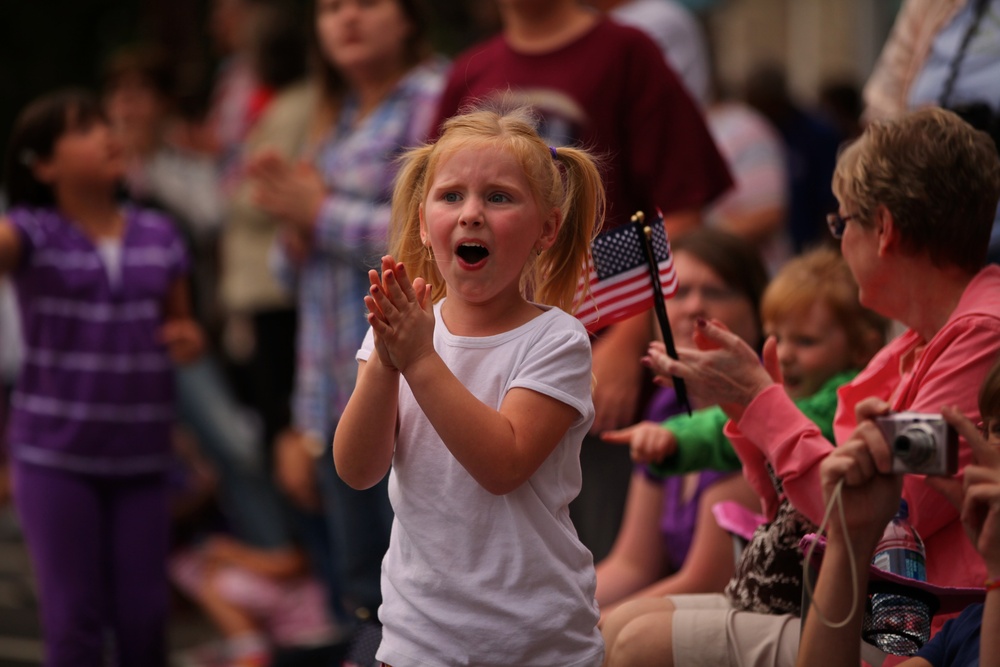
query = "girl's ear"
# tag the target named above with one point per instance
(423, 225)
(550, 229)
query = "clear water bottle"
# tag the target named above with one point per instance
(899, 624)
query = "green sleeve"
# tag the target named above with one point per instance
(700, 444)
(821, 407)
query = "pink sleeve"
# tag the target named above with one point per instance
(792, 443)
(955, 368)
(754, 470)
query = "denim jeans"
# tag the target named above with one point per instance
(231, 441)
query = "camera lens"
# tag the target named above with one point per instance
(914, 444)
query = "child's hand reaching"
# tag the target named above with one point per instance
(980, 502)
(648, 441)
(401, 316)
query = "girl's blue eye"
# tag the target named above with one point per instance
(498, 198)
(450, 197)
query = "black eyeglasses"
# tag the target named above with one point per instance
(836, 222)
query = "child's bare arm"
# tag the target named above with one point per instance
(366, 434)
(10, 246)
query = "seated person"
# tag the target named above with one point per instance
(869, 497)
(916, 197)
(669, 541)
(823, 336)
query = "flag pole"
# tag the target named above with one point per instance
(645, 235)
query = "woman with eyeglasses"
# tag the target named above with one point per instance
(916, 200)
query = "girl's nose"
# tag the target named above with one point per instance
(471, 216)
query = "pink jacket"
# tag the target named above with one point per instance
(948, 370)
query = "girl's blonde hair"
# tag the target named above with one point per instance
(566, 178)
(822, 275)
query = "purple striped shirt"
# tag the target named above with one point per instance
(95, 393)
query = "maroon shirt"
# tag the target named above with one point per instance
(611, 92)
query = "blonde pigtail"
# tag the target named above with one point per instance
(583, 209)
(405, 244)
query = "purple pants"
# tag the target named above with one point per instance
(98, 547)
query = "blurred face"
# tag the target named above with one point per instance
(227, 24)
(358, 36)
(85, 155)
(135, 111)
(703, 293)
(812, 348)
(991, 430)
(482, 222)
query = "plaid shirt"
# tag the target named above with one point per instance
(357, 161)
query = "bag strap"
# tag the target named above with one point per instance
(979, 9)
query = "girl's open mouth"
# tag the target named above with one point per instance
(471, 253)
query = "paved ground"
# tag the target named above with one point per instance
(20, 633)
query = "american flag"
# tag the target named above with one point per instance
(619, 283)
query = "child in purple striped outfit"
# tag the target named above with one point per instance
(104, 305)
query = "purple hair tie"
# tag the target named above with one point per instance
(552, 149)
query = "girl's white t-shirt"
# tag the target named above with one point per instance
(471, 578)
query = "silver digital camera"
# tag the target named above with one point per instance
(921, 443)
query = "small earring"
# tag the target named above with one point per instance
(429, 251)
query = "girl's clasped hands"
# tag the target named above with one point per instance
(401, 315)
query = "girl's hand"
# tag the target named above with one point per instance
(184, 339)
(724, 370)
(293, 193)
(980, 505)
(402, 317)
(648, 441)
(375, 312)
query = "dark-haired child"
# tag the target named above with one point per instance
(105, 309)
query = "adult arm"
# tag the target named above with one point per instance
(617, 372)
(869, 498)
(888, 85)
